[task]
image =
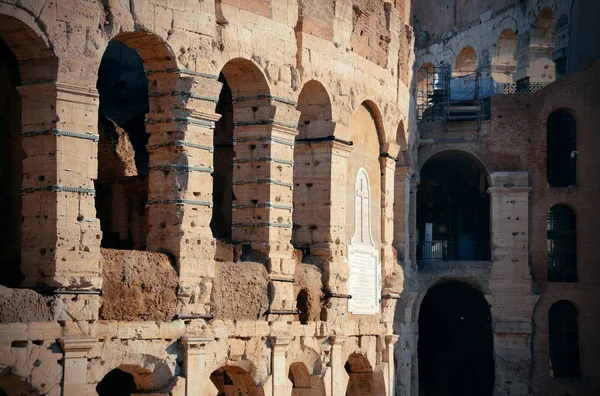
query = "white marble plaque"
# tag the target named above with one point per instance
(364, 283)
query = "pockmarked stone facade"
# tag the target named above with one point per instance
(268, 197)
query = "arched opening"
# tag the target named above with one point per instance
(561, 149)
(116, 383)
(128, 379)
(11, 168)
(504, 62)
(455, 348)
(541, 66)
(123, 158)
(303, 306)
(240, 154)
(466, 61)
(563, 337)
(312, 168)
(561, 225)
(361, 378)
(426, 86)
(453, 209)
(543, 33)
(303, 383)
(220, 223)
(234, 381)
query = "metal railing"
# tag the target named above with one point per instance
(517, 87)
(454, 250)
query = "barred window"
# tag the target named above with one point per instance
(561, 243)
(563, 339)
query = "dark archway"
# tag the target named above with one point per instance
(234, 381)
(561, 149)
(116, 383)
(362, 381)
(123, 158)
(453, 209)
(11, 169)
(455, 346)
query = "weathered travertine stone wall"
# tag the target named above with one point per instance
(239, 297)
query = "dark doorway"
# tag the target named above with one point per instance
(455, 342)
(223, 165)
(11, 169)
(452, 198)
(122, 184)
(561, 149)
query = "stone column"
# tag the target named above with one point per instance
(388, 255)
(339, 377)
(336, 268)
(534, 60)
(281, 384)
(181, 123)
(388, 356)
(262, 210)
(512, 300)
(75, 349)
(60, 232)
(402, 186)
(194, 354)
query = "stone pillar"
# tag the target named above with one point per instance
(281, 384)
(402, 187)
(339, 377)
(181, 124)
(262, 210)
(512, 301)
(75, 349)
(388, 356)
(194, 352)
(534, 60)
(336, 268)
(60, 233)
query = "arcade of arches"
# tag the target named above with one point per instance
(237, 198)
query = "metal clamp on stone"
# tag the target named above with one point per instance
(326, 139)
(276, 279)
(190, 317)
(338, 295)
(282, 312)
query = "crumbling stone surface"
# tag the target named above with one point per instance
(308, 278)
(22, 305)
(240, 291)
(137, 286)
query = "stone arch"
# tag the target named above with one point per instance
(504, 62)
(26, 58)
(312, 151)
(362, 380)
(377, 116)
(453, 215)
(466, 61)
(252, 116)
(122, 184)
(130, 379)
(472, 155)
(29, 44)
(234, 381)
(563, 339)
(544, 27)
(460, 358)
(303, 383)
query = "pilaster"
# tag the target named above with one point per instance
(75, 349)
(181, 125)
(512, 300)
(339, 377)
(194, 352)
(388, 357)
(281, 384)
(60, 232)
